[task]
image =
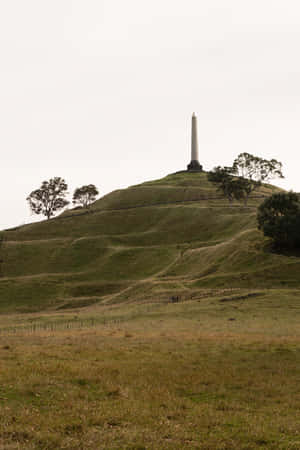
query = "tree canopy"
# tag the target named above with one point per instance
(49, 198)
(85, 195)
(247, 174)
(279, 218)
(231, 187)
(256, 169)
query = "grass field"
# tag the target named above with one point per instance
(159, 319)
(216, 372)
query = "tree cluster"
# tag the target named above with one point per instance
(279, 218)
(246, 175)
(51, 197)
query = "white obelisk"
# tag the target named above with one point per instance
(194, 164)
(195, 152)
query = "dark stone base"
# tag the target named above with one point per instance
(195, 166)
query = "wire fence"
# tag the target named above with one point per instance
(1, 255)
(54, 326)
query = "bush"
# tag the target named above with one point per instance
(279, 218)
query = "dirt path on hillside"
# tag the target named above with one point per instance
(153, 277)
(221, 244)
(158, 274)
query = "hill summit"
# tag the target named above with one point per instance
(170, 237)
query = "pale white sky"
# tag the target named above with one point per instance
(102, 91)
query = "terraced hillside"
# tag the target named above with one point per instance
(169, 237)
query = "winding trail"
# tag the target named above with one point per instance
(154, 277)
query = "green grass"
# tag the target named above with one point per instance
(215, 372)
(167, 326)
(73, 259)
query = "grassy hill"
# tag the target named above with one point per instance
(160, 319)
(163, 238)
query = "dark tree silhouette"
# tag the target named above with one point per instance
(279, 218)
(49, 198)
(85, 195)
(231, 187)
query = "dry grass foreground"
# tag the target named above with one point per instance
(217, 372)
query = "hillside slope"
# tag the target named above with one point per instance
(173, 236)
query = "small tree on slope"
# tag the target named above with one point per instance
(247, 174)
(85, 195)
(49, 198)
(255, 171)
(232, 187)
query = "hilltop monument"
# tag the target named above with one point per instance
(194, 165)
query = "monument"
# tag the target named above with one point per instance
(194, 165)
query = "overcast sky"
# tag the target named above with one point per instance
(102, 91)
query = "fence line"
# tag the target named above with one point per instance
(1, 256)
(59, 326)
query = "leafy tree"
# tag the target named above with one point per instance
(232, 187)
(85, 195)
(219, 174)
(279, 218)
(255, 170)
(49, 198)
